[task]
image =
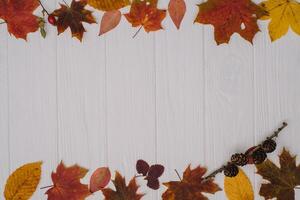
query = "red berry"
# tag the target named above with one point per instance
(52, 20)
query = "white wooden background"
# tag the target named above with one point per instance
(172, 97)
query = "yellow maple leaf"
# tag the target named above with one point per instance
(108, 5)
(22, 183)
(238, 187)
(283, 14)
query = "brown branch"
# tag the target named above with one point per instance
(221, 169)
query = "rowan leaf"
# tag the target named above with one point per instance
(283, 14)
(146, 14)
(122, 191)
(73, 16)
(238, 187)
(191, 186)
(99, 179)
(229, 17)
(110, 20)
(18, 16)
(67, 185)
(283, 180)
(108, 5)
(177, 9)
(23, 182)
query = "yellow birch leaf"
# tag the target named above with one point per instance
(239, 187)
(283, 14)
(22, 183)
(108, 5)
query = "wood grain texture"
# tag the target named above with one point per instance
(171, 97)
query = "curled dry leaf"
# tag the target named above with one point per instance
(283, 180)
(67, 185)
(238, 187)
(108, 5)
(191, 186)
(283, 14)
(99, 179)
(73, 17)
(146, 14)
(177, 9)
(122, 192)
(23, 182)
(229, 17)
(18, 16)
(110, 20)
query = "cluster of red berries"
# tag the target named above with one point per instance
(254, 155)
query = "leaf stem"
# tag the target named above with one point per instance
(44, 9)
(178, 174)
(221, 169)
(65, 3)
(49, 186)
(297, 188)
(137, 32)
(139, 175)
(3, 22)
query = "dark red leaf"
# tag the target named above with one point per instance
(152, 183)
(156, 171)
(142, 167)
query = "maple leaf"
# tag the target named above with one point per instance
(67, 185)
(108, 5)
(282, 180)
(73, 16)
(122, 192)
(191, 186)
(146, 14)
(230, 16)
(283, 14)
(18, 16)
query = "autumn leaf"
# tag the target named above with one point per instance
(238, 187)
(67, 185)
(229, 17)
(18, 16)
(99, 179)
(108, 5)
(177, 9)
(122, 191)
(110, 20)
(283, 180)
(22, 183)
(191, 186)
(73, 17)
(145, 14)
(283, 14)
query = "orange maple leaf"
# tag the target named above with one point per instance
(66, 183)
(18, 16)
(122, 192)
(73, 16)
(146, 14)
(191, 186)
(231, 16)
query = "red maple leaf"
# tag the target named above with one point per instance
(230, 16)
(146, 14)
(67, 185)
(18, 16)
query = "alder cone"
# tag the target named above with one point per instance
(269, 146)
(231, 170)
(239, 159)
(259, 156)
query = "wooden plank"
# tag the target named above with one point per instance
(130, 100)
(4, 101)
(32, 104)
(180, 95)
(277, 91)
(81, 88)
(228, 100)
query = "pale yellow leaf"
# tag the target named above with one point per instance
(239, 187)
(108, 5)
(22, 183)
(283, 14)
